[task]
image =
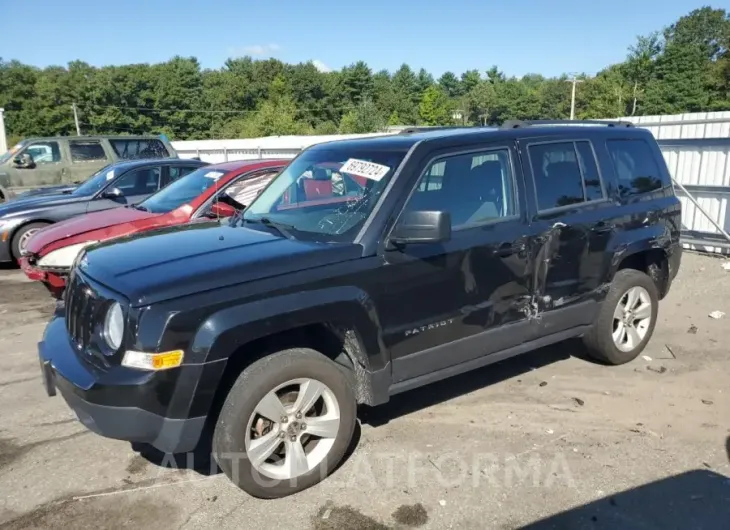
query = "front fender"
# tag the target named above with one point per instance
(224, 332)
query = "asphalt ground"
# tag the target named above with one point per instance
(547, 440)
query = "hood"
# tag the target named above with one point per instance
(50, 190)
(85, 223)
(34, 202)
(178, 261)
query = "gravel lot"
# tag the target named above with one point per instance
(548, 440)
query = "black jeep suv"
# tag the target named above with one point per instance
(464, 246)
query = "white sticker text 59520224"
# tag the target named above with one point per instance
(363, 168)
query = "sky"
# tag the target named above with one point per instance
(549, 37)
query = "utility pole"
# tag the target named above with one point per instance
(76, 119)
(572, 96)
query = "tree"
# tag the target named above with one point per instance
(684, 67)
(435, 108)
(451, 85)
(639, 68)
(365, 118)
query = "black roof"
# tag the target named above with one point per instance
(513, 129)
(126, 165)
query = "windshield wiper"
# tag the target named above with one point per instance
(140, 208)
(282, 228)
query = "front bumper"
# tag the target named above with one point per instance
(96, 396)
(54, 280)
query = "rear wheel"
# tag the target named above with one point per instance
(286, 423)
(21, 237)
(627, 319)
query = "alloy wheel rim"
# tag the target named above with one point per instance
(632, 318)
(23, 242)
(292, 429)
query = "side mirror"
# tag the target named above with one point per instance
(221, 209)
(113, 193)
(24, 161)
(422, 227)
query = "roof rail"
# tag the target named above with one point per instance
(427, 128)
(518, 124)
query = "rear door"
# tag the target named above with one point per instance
(86, 156)
(172, 173)
(568, 209)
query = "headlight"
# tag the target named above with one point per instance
(114, 326)
(63, 257)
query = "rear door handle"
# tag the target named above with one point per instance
(602, 226)
(507, 249)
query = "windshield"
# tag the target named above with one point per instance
(325, 194)
(95, 182)
(183, 190)
(9, 154)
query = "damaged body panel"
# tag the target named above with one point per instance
(403, 259)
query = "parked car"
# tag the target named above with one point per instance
(64, 160)
(111, 187)
(215, 191)
(467, 246)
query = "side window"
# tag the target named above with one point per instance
(636, 169)
(475, 188)
(144, 148)
(432, 179)
(180, 171)
(43, 152)
(139, 181)
(245, 190)
(589, 169)
(564, 173)
(86, 151)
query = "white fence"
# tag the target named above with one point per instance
(695, 146)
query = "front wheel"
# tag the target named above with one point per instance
(22, 236)
(626, 320)
(286, 423)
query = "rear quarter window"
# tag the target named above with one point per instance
(637, 171)
(135, 148)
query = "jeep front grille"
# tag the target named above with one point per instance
(81, 308)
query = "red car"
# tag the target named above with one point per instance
(213, 191)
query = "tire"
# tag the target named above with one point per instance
(239, 426)
(23, 232)
(600, 340)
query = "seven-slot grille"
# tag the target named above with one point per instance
(82, 304)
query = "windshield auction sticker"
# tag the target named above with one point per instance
(215, 175)
(363, 168)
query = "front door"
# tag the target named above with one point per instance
(136, 185)
(445, 304)
(567, 206)
(46, 168)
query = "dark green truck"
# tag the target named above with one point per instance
(64, 160)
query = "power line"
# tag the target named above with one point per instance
(207, 111)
